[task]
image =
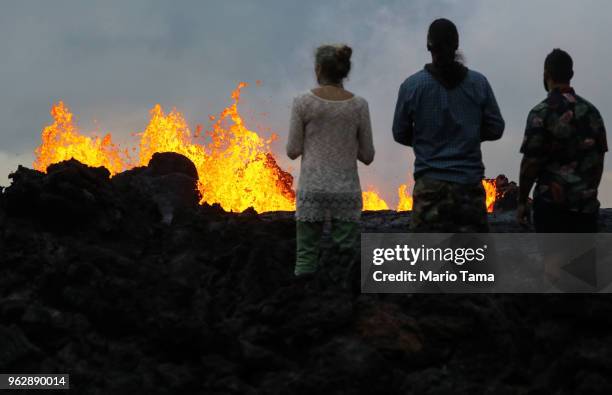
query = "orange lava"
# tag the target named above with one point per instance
(405, 200)
(372, 201)
(491, 193)
(235, 168)
(62, 141)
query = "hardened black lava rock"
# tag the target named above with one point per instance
(167, 186)
(206, 303)
(70, 196)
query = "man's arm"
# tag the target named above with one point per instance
(530, 168)
(493, 124)
(599, 169)
(601, 142)
(403, 123)
(535, 149)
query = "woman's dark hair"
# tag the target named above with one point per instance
(559, 66)
(443, 41)
(334, 62)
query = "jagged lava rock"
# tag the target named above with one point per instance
(169, 181)
(74, 197)
(70, 195)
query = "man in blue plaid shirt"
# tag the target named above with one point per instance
(444, 112)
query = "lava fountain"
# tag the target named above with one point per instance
(62, 141)
(236, 167)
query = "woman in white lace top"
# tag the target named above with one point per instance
(330, 129)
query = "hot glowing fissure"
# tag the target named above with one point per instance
(236, 167)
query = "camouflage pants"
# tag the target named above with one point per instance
(448, 207)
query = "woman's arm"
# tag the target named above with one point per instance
(295, 144)
(366, 143)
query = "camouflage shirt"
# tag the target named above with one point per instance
(567, 135)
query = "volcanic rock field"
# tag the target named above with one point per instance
(131, 287)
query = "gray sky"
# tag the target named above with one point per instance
(111, 61)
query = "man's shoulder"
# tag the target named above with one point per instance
(586, 105)
(476, 76)
(539, 108)
(417, 78)
(537, 116)
(423, 78)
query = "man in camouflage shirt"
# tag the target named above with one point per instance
(563, 150)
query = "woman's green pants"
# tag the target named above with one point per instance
(344, 234)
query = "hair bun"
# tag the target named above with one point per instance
(344, 52)
(333, 61)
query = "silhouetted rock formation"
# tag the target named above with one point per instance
(507, 194)
(95, 284)
(70, 196)
(169, 181)
(74, 197)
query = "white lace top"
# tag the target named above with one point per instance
(330, 136)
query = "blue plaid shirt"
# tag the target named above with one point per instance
(445, 127)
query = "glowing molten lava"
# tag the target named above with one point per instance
(372, 201)
(405, 200)
(62, 141)
(235, 168)
(491, 193)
